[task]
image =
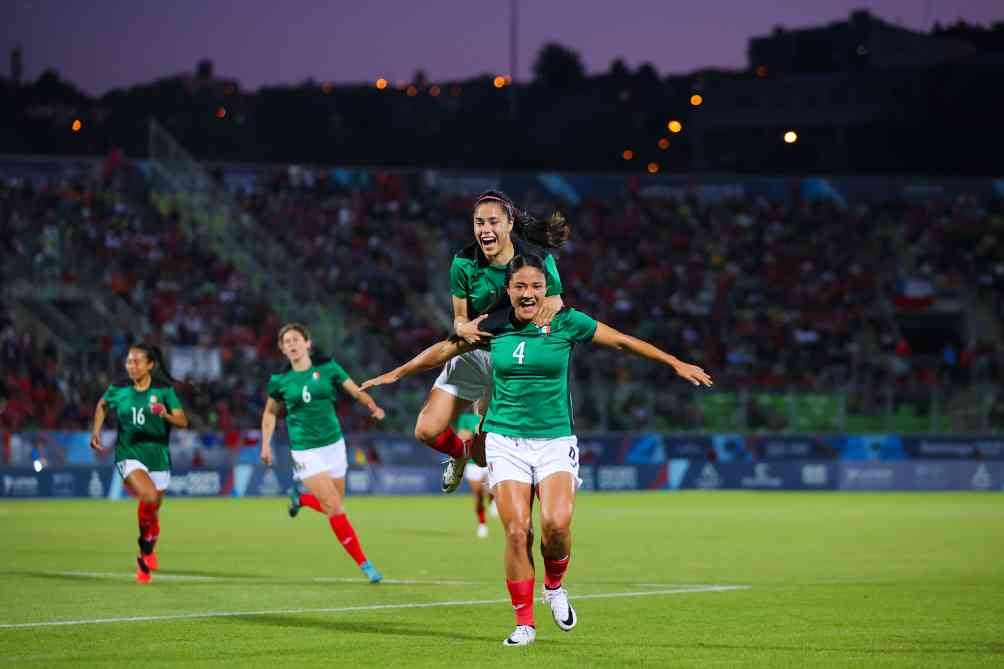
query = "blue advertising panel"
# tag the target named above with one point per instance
(962, 447)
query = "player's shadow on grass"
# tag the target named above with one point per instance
(336, 624)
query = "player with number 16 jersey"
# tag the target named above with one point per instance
(146, 407)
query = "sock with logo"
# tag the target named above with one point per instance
(347, 536)
(521, 594)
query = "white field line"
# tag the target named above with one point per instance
(351, 609)
(329, 579)
(198, 577)
(394, 581)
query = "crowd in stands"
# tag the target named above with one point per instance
(765, 295)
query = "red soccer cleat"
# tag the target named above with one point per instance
(151, 561)
(143, 574)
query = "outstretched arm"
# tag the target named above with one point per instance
(430, 358)
(611, 338)
(363, 397)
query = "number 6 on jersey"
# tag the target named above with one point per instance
(519, 353)
(305, 395)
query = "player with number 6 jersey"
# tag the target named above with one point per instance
(146, 408)
(530, 442)
(308, 389)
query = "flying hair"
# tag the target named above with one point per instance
(550, 232)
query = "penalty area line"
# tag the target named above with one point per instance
(352, 609)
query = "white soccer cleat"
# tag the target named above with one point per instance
(561, 609)
(482, 531)
(453, 474)
(523, 635)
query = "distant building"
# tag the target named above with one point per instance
(204, 80)
(862, 42)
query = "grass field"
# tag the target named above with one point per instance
(830, 580)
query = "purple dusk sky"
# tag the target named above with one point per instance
(105, 44)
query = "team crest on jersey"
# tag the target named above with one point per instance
(545, 329)
(317, 375)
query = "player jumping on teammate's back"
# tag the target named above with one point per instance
(146, 408)
(530, 441)
(477, 276)
(308, 389)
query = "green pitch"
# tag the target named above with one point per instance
(830, 580)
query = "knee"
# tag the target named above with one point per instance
(425, 432)
(331, 505)
(517, 535)
(150, 497)
(556, 532)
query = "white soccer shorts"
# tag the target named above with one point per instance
(467, 376)
(314, 461)
(474, 473)
(530, 460)
(161, 480)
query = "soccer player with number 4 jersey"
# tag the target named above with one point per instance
(146, 408)
(308, 389)
(530, 442)
(477, 275)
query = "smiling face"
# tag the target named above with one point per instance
(527, 289)
(137, 365)
(294, 345)
(492, 228)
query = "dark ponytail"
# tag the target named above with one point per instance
(159, 375)
(549, 233)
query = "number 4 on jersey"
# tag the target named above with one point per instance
(519, 353)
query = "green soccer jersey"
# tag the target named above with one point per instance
(530, 393)
(482, 284)
(309, 397)
(142, 435)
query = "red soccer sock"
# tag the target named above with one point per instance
(521, 594)
(554, 571)
(449, 443)
(480, 510)
(149, 524)
(309, 500)
(347, 535)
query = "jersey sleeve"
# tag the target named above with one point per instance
(171, 400)
(578, 326)
(109, 396)
(459, 279)
(338, 374)
(553, 278)
(497, 321)
(274, 391)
